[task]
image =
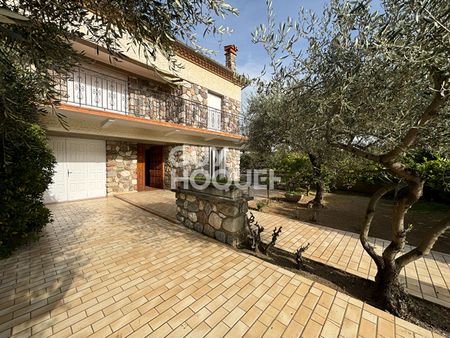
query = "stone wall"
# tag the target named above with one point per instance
(192, 155)
(121, 166)
(231, 110)
(215, 213)
(193, 92)
(196, 157)
(151, 100)
(170, 165)
(232, 163)
(186, 104)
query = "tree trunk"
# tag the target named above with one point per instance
(318, 180)
(389, 265)
(390, 291)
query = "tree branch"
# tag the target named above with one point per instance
(430, 112)
(370, 213)
(425, 246)
(407, 199)
(358, 152)
(401, 171)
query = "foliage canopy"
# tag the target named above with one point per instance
(378, 84)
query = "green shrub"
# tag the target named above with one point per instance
(260, 205)
(26, 169)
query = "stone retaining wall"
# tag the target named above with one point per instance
(217, 214)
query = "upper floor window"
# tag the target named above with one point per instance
(214, 111)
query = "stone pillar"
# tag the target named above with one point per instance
(216, 213)
(121, 166)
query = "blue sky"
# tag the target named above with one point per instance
(251, 58)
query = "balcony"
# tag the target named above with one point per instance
(88, 88)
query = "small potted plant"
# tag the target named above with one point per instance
(293, 196)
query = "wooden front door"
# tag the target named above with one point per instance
(156, 167)
(150, 167)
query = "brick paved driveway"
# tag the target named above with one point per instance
(105, 267)
(428, 278)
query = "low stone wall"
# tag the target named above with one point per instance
(216, 213)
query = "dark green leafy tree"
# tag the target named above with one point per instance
(273, 126)
(379, 82)
(35, 44)
(26, 163)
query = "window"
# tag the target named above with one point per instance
(217, 161)
(214, 111)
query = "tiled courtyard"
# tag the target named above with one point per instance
(105, 267)
(428, 277)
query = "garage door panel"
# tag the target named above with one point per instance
(76, 154)
(85, 166)
(96, 169)
(57, 190)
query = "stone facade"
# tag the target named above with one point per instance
(152, 101)
(216, 213)
(193, 92)
(231, 110)
(191, 157)
(121, 166)
(195, 157)
(170, 164)
(195, 104)
(186, 104)
(232, 162)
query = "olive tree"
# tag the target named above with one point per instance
(273, 123)
(380, 81)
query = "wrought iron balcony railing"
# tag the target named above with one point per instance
(93, 89)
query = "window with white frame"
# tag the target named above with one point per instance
(214, 111)
(217, 162)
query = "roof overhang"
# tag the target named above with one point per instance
(100, 54)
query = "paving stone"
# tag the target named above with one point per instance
(109, 268)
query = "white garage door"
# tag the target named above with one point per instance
(80, 171)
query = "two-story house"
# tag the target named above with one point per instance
(124, 119)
